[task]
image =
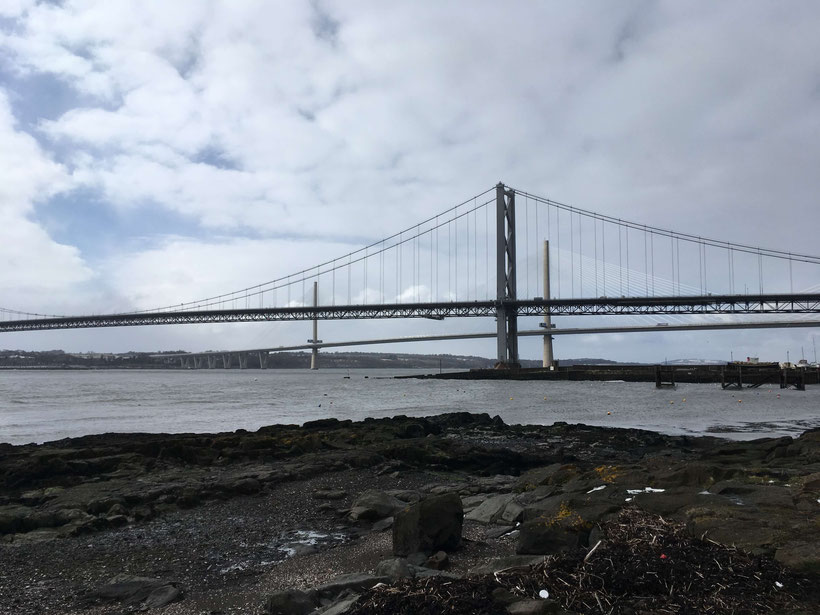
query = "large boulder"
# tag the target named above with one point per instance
(373, 505)
(430, 525)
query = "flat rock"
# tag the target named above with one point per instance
(356, 582)
(491, 509)
(373, 505)
(329, 494)
(800, 556)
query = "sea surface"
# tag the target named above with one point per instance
(43, 405)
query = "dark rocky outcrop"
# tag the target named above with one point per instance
(430, 525)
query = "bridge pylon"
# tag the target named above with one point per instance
(506, 314)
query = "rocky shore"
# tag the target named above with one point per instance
(411, 515)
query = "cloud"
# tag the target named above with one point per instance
(32, 263)
(271, 134)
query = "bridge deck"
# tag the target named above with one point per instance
(709, 304)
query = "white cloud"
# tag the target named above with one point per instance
(251, 123)
(32, 264)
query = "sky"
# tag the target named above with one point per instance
(153, 153)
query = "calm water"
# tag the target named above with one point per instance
(37, 406)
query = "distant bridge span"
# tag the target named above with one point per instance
(708, 304)
(783, 324)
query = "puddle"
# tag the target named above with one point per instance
(249, 558)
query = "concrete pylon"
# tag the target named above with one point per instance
(549, 359)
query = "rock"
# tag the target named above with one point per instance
(811, 482)
(429, 525)
(800, 556)
(103, 505)
(247, 486)
(471, 502)
(533, 607)
(117, 509)
(405, 495)
(438, 561)
(395, 568)
(727, 524)
(499, 531)
(290, 602)
(13, 519)
(503, 597)
(491, 509)
(562, 523)
(161, 596)
(373, 505)
(356, 582)
(133, 590)
(329, 494)
(670, 501)
(340, 606)
(383, 524)
(549, 475)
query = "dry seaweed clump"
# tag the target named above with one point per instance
(642, 564)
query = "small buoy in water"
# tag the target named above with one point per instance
(545, 399)
(320, 405)
(684, 399)
(510, 397)
(672, 403)
(740, 401)
(608, 413)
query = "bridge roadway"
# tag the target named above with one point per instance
(781, 324)
(704, 304)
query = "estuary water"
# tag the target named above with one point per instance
(38, 406)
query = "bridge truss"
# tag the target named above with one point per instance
(722, 304)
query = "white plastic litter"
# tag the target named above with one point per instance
(544, 594)
(644, 490)
(628, 499)
(778, 585)
(597, 488)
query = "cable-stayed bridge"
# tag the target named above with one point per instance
(507, 254)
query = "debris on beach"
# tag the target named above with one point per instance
(643, 564)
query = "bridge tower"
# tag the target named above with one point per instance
(506, 315)
(314, 352)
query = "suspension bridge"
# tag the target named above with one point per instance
(508, 254)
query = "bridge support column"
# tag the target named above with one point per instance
(243, 359)
(263, 359)
(314, 353)
(211, 361)
(548, 355)
(197, 362)
(226, 361)
(506, 315)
